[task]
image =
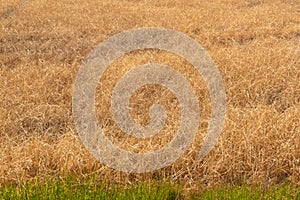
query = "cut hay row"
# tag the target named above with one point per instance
(254, 43)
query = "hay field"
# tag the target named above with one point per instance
(255, 44)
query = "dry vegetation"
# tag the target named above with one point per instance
(255, 43)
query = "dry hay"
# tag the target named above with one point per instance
(255, 44)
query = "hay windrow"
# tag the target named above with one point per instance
(255, 45)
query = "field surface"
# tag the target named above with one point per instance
(254, 43)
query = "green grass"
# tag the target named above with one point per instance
(91, 189)
(78, 189)
(247, 192)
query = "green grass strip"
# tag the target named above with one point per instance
(91, 189)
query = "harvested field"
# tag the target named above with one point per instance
(254, 43)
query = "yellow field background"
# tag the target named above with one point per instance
(254, 43)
